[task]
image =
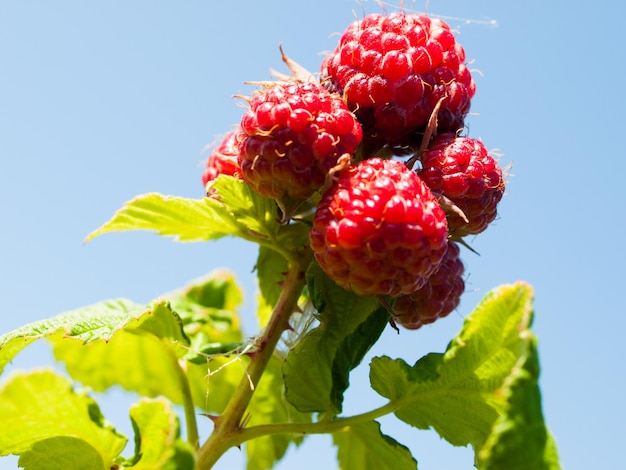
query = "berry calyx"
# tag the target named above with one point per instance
(292, 135)
(393, 69)
(378, 230)
(437, 298)
(223, 159)
(461, 169)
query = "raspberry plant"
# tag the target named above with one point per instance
(359, 189)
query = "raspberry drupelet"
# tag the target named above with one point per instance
(223, 159)
(393, 70)
(379, 231)
(461, 169)
(437, 298)
(292, 135)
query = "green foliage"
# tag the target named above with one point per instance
(365, 447)
(187, 347)
(157, 438)
(520, 438)
(454, 393)
(233, 209)
(99, 322)
(269, 406)
(42, 419)
(317, 368)
(270, 272)
(53, 427)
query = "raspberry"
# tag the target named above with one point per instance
(461, 169)
(378, 229)
(394, 69)
(292, 135)
(437, 298)
(223, 159)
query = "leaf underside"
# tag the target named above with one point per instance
(483, 390)
(317, 368)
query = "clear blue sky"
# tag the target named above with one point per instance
(100, 101)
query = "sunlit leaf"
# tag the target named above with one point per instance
(232, 209)
(365, 447)
(99, 321)
(158, 445)
(141, 355)
(218, 290)
(252, 212)
(520, 439)
(52, 427)
(184, 219)
(208, 309)
(455, 392)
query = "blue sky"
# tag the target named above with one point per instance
(101, 101)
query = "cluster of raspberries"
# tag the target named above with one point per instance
(392, 96)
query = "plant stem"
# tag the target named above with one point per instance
(189, 407)
(321, 427)
(228, 425)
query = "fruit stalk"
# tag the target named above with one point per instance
(228, 426)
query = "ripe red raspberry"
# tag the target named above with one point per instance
(437, 298)
(223, 159)
(461, 169)
(292, 135)
(379, 230)
(394, 69)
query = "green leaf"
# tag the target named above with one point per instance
(140, 355)
(232, 209)
(254, 214)
(52, 427)
(353, 349)
(455, 392)
(365, 447)
(316, 371)
(184, 219)
(208, 309)
(218, 290)
(60, 453)
(98, 321)
(271, 268)
(157, 438)
(520, 439)
(139, 347)
(268, 405)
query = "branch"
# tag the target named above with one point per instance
(321, 427)
(228, 427)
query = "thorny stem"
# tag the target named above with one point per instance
(228, 426)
